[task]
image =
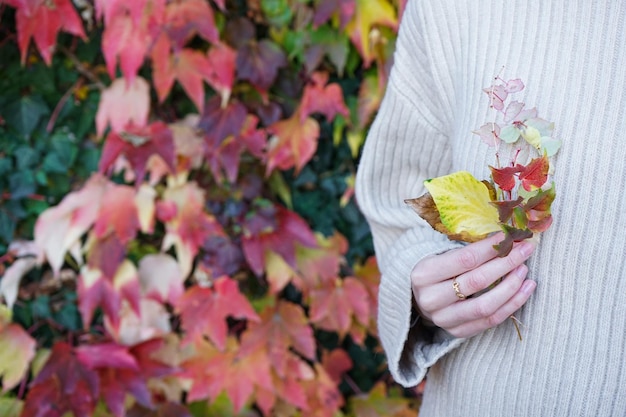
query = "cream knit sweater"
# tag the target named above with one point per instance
(571, 54)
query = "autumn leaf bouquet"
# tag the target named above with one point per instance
(517, 198)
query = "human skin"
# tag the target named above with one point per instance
(476, 267)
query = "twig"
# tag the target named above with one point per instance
(82, 68)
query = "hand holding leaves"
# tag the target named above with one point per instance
(516, 200)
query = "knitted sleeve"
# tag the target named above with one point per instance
(406, 144)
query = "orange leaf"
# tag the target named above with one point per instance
(293, 143)
(239, 376)
(336, 362)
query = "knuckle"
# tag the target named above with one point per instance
(493, 320)
(476, 281)
(468, 258)
(482, 310)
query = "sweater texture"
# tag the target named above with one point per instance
(571, 55)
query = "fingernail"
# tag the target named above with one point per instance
(528, 286)
(521, 271)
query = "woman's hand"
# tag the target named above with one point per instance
(441, 281)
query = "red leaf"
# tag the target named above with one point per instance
(138, 145)
(123, 370)
(282, 327)
(506, 208)
(289, 230)
(231, 372)
(95, 289)
(259, 62)
(188, 66)
(535, 174)
(191, 226)
(318, 97)
(42, 20)
(127, 40)
(64, 385)
(505, 177)
(222, 77)
(334, 306)
(187, 18)
(293, 143)
(336, 362)
(118, 214)
(112, 8)
(204, 310)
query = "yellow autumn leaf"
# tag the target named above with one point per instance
(368, 14)
(464, 205)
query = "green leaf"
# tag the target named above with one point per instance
(277, 12)
(7, 227)
(24, 114)
(22, 184)
(10, 407)
(25, 157)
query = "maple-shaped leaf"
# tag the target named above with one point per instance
(223, 155)
(204, 310)
(287, 387)
(223, 61)
(321, 264)
(153, 321)
(64, 385)
(213, 372)
(506, 208)
(118, 213)
(378, 403)
(59, 228)
(161, 278)
(292, 144)
(461, 204)
(109, 9)
(187, 18)
(538, 210)
(42, 21)
(336, 362)
(219, 123)
(187, 224)
(259, 61)
(97, 289)
(123, 104)
(535, 174)
(190, 67)
(188, 142)
(17, 350)
(490, 133)
(281, 327)
(369, 14)
(505, 177)
(284, 230)
(368, 274)
(511, 235)
(123, 38)
(325, 9)
(323, 396)
(335, 305)
(11, 278)
(123, 370)
(321, 97)
(138, 145)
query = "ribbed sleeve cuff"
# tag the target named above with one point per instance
(410, 350)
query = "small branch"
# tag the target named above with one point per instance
(82, 69)
(60, 104)
(352, 384)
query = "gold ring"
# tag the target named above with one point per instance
(457, 290)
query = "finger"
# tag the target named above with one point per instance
(443, 294)
(433, 269)
(483, 306)
(507, 310)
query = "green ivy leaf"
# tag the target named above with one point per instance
(25, 114)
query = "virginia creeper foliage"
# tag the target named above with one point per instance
(166, 248)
